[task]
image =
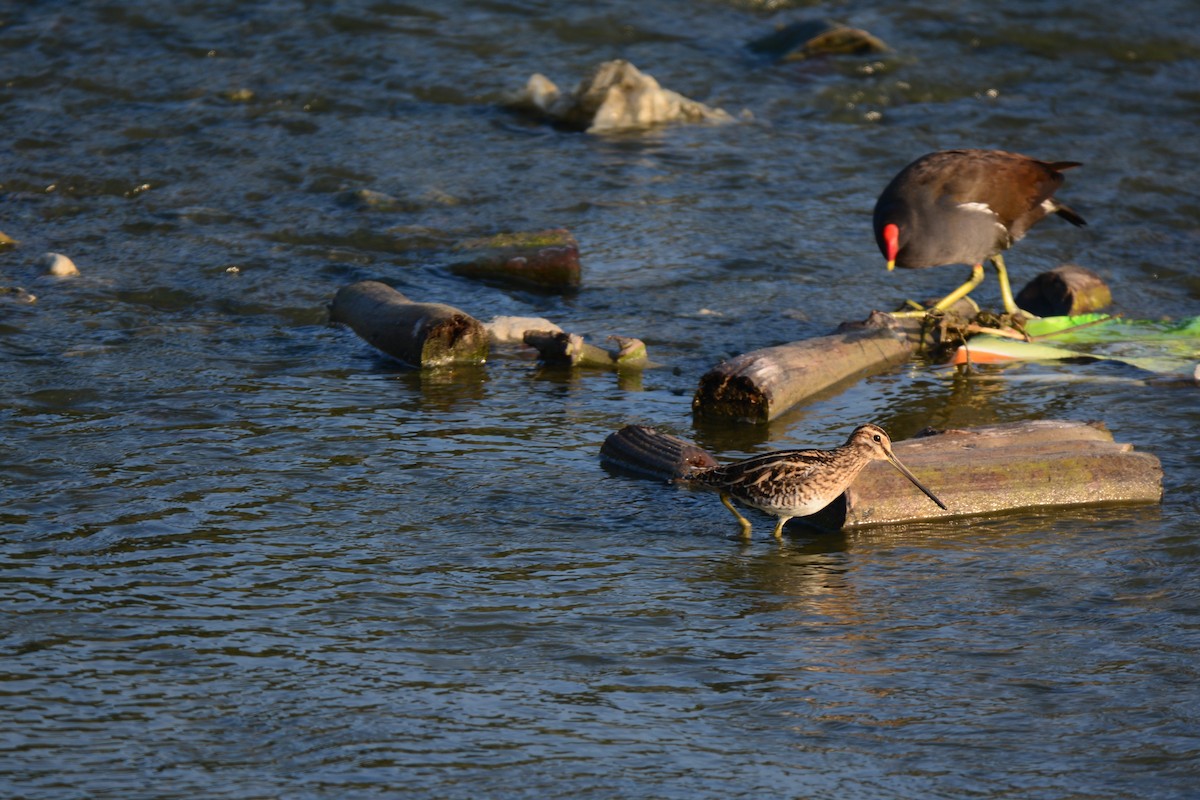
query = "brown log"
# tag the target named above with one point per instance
(418, 334)
(975, 471)
(542, 260)
(760, 385)
(1065, 291)
(1033, 464)
(569, 349)
(636, 448)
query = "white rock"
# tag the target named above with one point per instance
(507, 330)
(58, 265)
(616, 96)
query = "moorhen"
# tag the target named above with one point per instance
(965, 207)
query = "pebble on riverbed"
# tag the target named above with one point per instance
(811, 38)
(616, 96)
(57, 265)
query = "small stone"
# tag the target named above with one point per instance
(811, 38)
(57, 265)
(16, 294)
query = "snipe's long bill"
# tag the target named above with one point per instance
(797, 483)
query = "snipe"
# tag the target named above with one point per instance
(797, 483)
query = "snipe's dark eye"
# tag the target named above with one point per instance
(876, 438)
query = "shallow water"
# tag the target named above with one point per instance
(243, 556)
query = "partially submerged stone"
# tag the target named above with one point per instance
(542, 259)
(16, 294)
(810, 38)
(417, 334)
(1065, 291)
(615, 96)
(57, 265)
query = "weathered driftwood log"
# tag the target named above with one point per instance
(760, 385)
(1065, 291)
(615, 96)
(418, 334)
(571, 350)
(810, 38)
(1036, 464)
(542, 259)
(975, 471)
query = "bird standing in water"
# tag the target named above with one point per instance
(966, 207)
(796, 483)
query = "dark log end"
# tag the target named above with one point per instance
(645, 451)
(1065, 291)
(417, 334)
(554, 347)
(458, 338)
(723, 393)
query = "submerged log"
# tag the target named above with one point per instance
(975, 471)
(418, 334)
(760, 385)
(1065, 291)
(1035, 464)
(645, 451)
(569, 349)
(542, 259)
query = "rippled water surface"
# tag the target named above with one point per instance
(243, 556)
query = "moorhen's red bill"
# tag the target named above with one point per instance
(966, 207)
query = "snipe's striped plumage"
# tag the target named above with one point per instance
(796, 483)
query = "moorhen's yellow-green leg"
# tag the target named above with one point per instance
(950, 299)
(1006, 295)
(962, 291)
(745, 522)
